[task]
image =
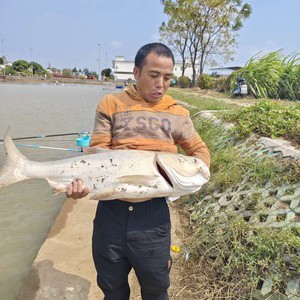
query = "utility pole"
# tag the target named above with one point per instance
(31, 61)
(2, 40)
(99, 71)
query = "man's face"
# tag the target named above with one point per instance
(154, 79)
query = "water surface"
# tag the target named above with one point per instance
(28, 209)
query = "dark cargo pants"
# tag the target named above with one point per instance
(132, 235)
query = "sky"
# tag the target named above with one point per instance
(67, 33)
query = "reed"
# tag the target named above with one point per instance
(272, 76)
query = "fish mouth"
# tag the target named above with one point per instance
(163, 173)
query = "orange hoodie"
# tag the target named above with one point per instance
(126, 121)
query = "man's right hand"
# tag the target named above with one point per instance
(77, 190)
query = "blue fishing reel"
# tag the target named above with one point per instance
(83, 141)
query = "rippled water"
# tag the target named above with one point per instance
(28, 209)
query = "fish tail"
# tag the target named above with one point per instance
(11, 170)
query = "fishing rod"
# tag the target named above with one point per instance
(81, 142)
(49, 135)
(47, 147)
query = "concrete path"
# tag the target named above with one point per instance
(63, 268)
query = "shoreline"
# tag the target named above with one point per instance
(39, 80)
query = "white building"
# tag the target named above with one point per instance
(178, 70)
(123, 69)
(4, 65)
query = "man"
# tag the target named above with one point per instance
(135, 233)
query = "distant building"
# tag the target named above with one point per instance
(54, 71)
(5, 62)
(123, 69)
(4, 65)
(188, 72)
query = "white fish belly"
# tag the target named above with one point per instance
(108, 175)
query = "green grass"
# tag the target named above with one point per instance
(236, 256)
(269, 119)
(200, 101)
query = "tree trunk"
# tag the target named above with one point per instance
(183, 67)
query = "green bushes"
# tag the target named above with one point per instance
(20, 65)
(204, 82)
(221, 84)
(272, 76)
(267, 119)
(184, 82)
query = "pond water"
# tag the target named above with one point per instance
(28, 209)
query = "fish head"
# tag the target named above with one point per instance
(186, 174)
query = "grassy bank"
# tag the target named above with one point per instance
(202, 101)
(270, 118)
(236, 252)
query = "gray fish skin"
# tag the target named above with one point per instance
(111, 174)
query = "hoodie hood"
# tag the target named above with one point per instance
(165, 102)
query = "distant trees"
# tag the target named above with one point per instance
(90, 74)
(203, 31)
(10, 71)
(67, 73)
(106, 72)
(38, 69)
(20, 65)
(25, 68)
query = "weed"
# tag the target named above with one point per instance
(235, 254)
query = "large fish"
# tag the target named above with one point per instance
(111, 174)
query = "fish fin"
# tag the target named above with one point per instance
(57, 191)
(138, 179)
(107, 194)
(57, 187)
(13, 166)
(171, 199)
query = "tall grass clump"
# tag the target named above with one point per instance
(272, 76)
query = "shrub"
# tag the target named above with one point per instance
(10, 71)
(220, 84)
(268, 119)
(184, 82)
(20, 65)
(204, 82)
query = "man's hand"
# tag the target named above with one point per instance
(77, 190)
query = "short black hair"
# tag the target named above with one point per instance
(158, 48)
